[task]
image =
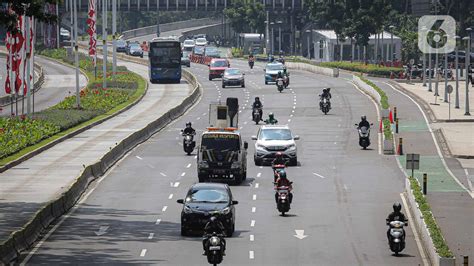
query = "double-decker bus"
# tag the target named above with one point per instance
(164, 60)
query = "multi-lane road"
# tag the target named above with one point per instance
(342, 194)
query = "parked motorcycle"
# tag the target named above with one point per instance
(215, 248)
(188, 143)
(364, 136)
(280, 84)
(256, 115)
(283, 202)
(397, 236)
(325, 105)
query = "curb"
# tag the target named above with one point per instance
(423, 104)
(6, 100)
(23, 239)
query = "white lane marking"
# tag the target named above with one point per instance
(335, 142)
(339, 125)
(183, 174)
(345, 187)
(415, 231)
(158, 221)
(259, 174)
(291, 115)
(316, 174)
(378, 114)
(151, 166)
(195, 157)
(189, 165)
(252, 237)
(252, 223)
(289, 120)
(170, 196)
(256, 185)
(150, 236)
(163, 174)
(142, 254)
(176, 184)
(251, 255)
(245, 123)
(440, 154)
(204, 113)
(292, 111)
(197, 118)
(300, 234)
(261, 167)
(254, 197)
(254, 209)
(139, 158)
(294, 107)
(240, 111)
(164, 208)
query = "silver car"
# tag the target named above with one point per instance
(272, 139)
(233, 77)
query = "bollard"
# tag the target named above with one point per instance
(400, 146)
(396, 125)
(395, 113)
(425, 183)
(465, 261)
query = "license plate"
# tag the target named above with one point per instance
(219, 171)
(214, 248)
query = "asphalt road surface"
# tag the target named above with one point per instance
(342, 194)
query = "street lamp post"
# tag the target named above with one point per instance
(424, 29)
(436, 73)
(445, 78)
(114, 36)
(279, 35)
(391, 27)
(430, 70)
(468, 58)
(308, 45)
(104, 44)
(273, 40)
(456, 67)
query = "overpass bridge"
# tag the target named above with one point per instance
(185, 5)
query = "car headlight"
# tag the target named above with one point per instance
(291, 147)
(260, 147)
(226, 210)
(226, 79)
(235, 165)
(204, 164)
(186, 209)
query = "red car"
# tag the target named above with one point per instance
(217, 67)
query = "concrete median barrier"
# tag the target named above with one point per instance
(332, 72)
(25, 237)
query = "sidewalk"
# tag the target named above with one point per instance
(451, 203)
(24, 189)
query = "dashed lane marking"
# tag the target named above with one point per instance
(316, 174)
(254, 197)
(158, 221)
(176, 184)
(189, 165)
(251, 255)
(259, 174)
(256, 185)
(252, 238)
(139, 158)
(150, 236)
(254, 209)
(183, 174)
(252, 223)
(143, 253)
(164, 208)
(170, 196)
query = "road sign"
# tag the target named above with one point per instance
(450, 89)
(413, 161)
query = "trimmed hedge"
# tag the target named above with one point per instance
(67, 119)
(383, 96)
(435, 232)
(370, 69)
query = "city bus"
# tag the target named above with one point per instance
(164, 60)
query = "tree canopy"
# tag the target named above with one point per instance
(11, 10)
(245, 16)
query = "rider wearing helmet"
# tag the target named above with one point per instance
(189, 130)
(283, 181)
(364, 122)
(271, 119)
(279, 159)
(279, 75)
(396, 215)
(326, 94)
(214, 225)
(257, 105)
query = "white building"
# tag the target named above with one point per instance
(326, 48)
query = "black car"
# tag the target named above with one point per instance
(204, 200)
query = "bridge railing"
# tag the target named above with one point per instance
(169, 27)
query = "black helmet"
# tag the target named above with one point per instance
(213, 219)
(279, 155)
(271, 115)
(257, 98)
(188, 124)
(397, 207)
(282, 174)
(363, 118)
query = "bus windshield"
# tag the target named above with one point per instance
(165, 54)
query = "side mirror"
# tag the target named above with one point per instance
(243, 74)
(264, 70)
(234, 202)
(371, 124)
(182, 130)
(356, 124)
(246, 145)
(254, 137)
(296, 137)
(180, 201)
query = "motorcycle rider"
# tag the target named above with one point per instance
(279, 159)
(283, 181)
(189, 130)
(257, 105)
(251, 58)
(214, 225)
(396, 215)
(364, 122)
(326, 94)
(271, 119)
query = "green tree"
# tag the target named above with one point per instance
(256, 16)
(11, 10)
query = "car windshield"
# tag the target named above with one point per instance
(207, 195)
(232, 72)
(220, 142)
(219, 64)
(189, 42)
(275, 67)
(199, 50)
(134, 46)
(121, 43)
(275, 134)
(201, 40)
(185, 55)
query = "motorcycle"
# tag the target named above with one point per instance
(251, 64)
(364, 137)
(283, 202)
(188, 143)
(397, 236)
(325, 105)
(215, 249)
(276, 168)
(280, 84)
(256, 115)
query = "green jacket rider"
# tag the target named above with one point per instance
(271, 119)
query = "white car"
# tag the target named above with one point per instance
(272, 139)
(188, 45)
(201, 41)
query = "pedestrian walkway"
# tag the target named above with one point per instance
(448, 190)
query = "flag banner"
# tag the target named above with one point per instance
(91, 22)
(9, 45)
(19, 55)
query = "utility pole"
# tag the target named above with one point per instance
(76, 57)
(468, 58)
(28, 66)
(104, 43)
(456, 66)
(58, 28)
(114, 36)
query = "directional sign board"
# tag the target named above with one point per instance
(413, 161)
